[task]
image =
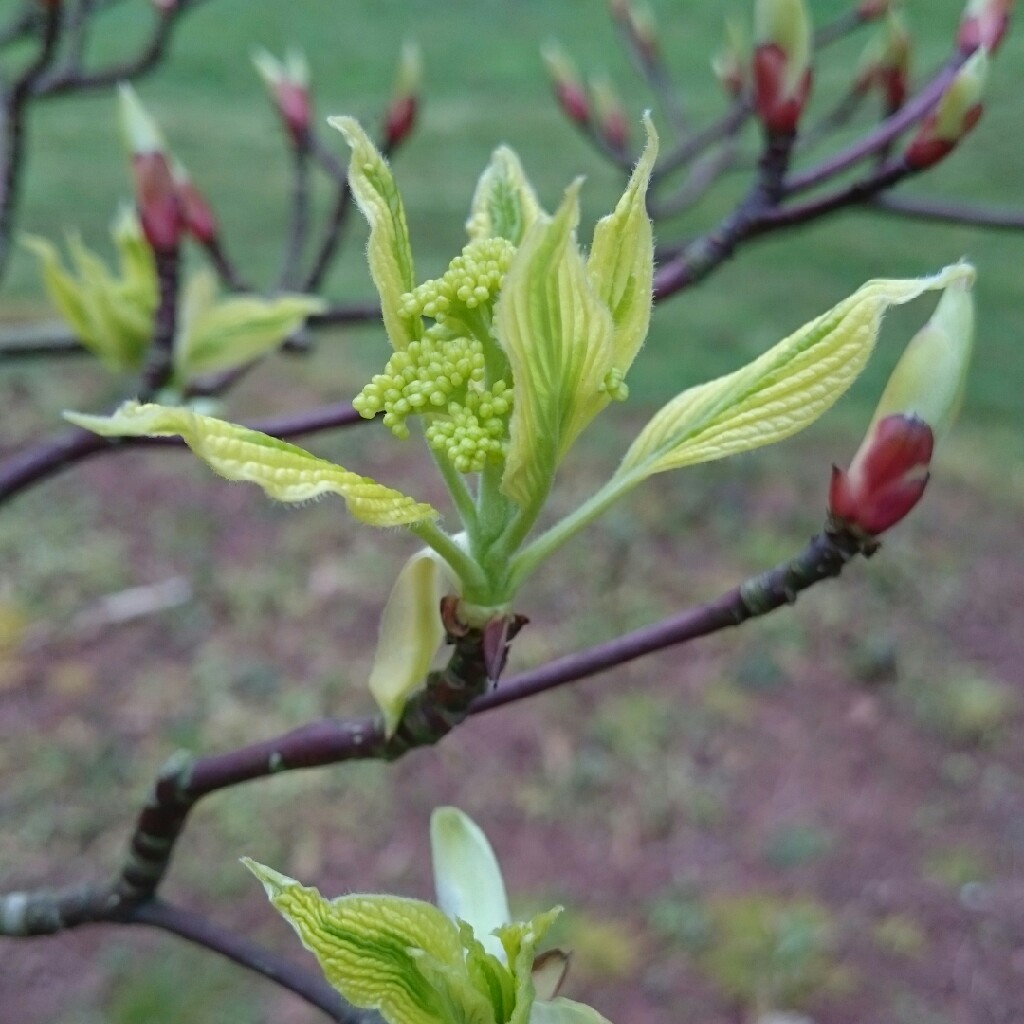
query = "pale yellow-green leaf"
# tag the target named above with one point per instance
(780, 392)
(284, 471)
(369, 947)
(221, 335)
(467, 877)
(557, 334)
(410, 633)
(621, 262)
(111, 315)
(521, 940)
(565, 1011)
(931, 376)
(504, 204)
(388, 251)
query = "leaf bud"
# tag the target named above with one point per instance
(287, 83)
(890, 470)
(155, 192)
(404, 106)
(984, 24)
(610, 113)
(731, 61)
(782, 63)
(200, 220)
(568, 89)
(957, 113)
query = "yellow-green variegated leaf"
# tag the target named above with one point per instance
(410, 633)
(504, 204)
(557, 334)
(388, 251)
(285, 471)
(621, 262)
(780, 392)
(565, 1011)
(370, 948)
(221, 335)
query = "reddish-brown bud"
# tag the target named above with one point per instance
(869, 10)
(400, 120)
(887, 478)
(199, 218)
(778, 109)
(287, 83)
(928, 147)
(984, 24)
(573, 100)
(160, 212)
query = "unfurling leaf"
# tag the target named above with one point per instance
(504, 204)
(372, 948)
(388, 251)
(621, 264)
(557, 334)
(780, 392)
(111, 315)
(285, 471)
(219, 336)
(467, 876)
(410, 633)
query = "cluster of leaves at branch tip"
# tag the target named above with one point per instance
(462, 960)
(504, 361)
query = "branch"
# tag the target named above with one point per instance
(885, 134)
(160, 362)
(823, 558)
(202, 932)
(693, 147)
(291, 268)
(951, 213)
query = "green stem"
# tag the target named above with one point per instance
(463, 565)
(458, 489)
(548, 542)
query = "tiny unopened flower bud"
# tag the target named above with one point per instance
(199, 218)
(957, 113)
(643, 28)
(619, 9)
(885, 64)
(730, 63)
(165, 6)
(610, 113)
(155, 194)
(287, 83)
(404, 104)
(782, 63)
(890, 470)
(568, 89)
(869, 10)
(984, 24)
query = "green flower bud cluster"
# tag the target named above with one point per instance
(472, 280)
(428, 376)
(475, 432)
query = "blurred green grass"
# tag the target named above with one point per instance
(485, 84)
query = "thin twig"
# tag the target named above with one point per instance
(298, 227)
(696, 145)
(195, 928)
(159, 367)
(951, 213)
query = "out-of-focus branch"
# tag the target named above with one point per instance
(298, 230)
(951, 213)
(700, 142)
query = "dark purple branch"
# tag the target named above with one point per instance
(884, 135)
(823, 558)
(204, 933)
(951, 213)
(226, 270)
(696, 145)
(298, 229)
(160, 363)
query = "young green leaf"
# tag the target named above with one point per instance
(504, 204)
(780, 392)
(371, 948)
(284, 471)
(388, 251)
(410, 633)
(521, 940)
(557, 334)
(219, 336)
(621, 262)
(467, 877)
